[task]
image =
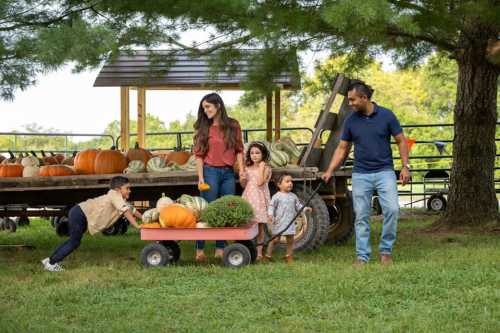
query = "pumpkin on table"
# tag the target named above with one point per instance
(58, 157)
(139, 154)
(29, 161)
(11, 170)
(31, 171)
(177, 216)
(164, 201)
(178, 157)
(110, 161)
(48, 160)
(56, 170)
(70, 160)
(85, 161)
(135, 166)
(157, 164)
(11, 160)
(40, 160)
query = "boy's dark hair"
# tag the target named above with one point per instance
(117, 182)
(361, 88)
(279, 179)
(263, 149)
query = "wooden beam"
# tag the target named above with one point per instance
(124, 118)
(269, 117)
(141, 117)
(277, 114)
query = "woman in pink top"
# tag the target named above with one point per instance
(218, 145)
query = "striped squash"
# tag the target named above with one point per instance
(156, 164)
(278, 158)
(196, 204)
(287, 145)
(135, 166)
(151, 215)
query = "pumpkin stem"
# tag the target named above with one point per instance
(136, 145)
(74, 153)
(113, 147)
(11, 154)
(43, 153)
(33, 153)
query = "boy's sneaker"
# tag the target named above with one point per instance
(51, 268)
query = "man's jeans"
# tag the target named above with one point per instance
(363, 186)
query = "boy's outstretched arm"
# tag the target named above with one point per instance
(131, 218)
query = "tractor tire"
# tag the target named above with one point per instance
(311, 228)
(341, 221)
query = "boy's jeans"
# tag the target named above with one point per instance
(363, 186)
(221, 182)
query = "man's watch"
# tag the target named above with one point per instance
(407, 166)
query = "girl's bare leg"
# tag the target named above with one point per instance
(260, 239)
(289, 245)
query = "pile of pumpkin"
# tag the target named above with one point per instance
(184, 213)
(94, 161)
(282, 152)
(187, 211)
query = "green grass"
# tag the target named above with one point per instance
(439, 283)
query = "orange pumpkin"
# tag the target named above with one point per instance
(177, 216)
(110, 161)
(11, 170)
(138, 153)
(84, 161)
(155, 225)
(203, 187)
(56, 170)
(179, 157)
(59, 157)
(70, 160)
(12, 159)
(48, 160)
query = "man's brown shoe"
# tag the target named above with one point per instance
(385, 259)
(359, 263)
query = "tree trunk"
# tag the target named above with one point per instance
(472, 198)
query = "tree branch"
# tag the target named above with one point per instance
(394, 31)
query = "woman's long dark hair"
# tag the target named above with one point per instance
(202, 124)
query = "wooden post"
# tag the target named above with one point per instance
(269, 117)
(277, 114)
(125, 118)
(141, 117)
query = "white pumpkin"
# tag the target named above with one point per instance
(164, 201)
(31, 171)
(30, 161)
(157, 164)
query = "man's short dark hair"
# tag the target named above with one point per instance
(117, 182)
(361, 88)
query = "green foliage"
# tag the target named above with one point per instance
(227, 211)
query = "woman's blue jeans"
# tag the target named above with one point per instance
(363, 186)
(221, 181)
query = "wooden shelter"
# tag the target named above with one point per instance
(180, 70)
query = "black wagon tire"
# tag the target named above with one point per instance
(22, 221)
(311, 228)
(62, 226)
(112, 230)
(342, 221)
(155, 255)
(9, 225)
(436, 203)
(250, 244)
(174, 249)
(237, 255)
(124, 223)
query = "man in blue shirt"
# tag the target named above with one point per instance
(370, 128)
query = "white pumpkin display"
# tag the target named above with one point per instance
(196, 204)
(164, 201)
(30, 161)
(135, 166)
(31, 171)
(151, 215)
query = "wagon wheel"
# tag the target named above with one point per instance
(436, 203)
(173, 248)
(8, 224)
(123, 226)
(113, 230)
(23, 221)
(250, 244)
(237, 255)
(155, 255)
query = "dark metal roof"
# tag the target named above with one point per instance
(176, 69)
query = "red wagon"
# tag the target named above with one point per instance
(165, 250)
